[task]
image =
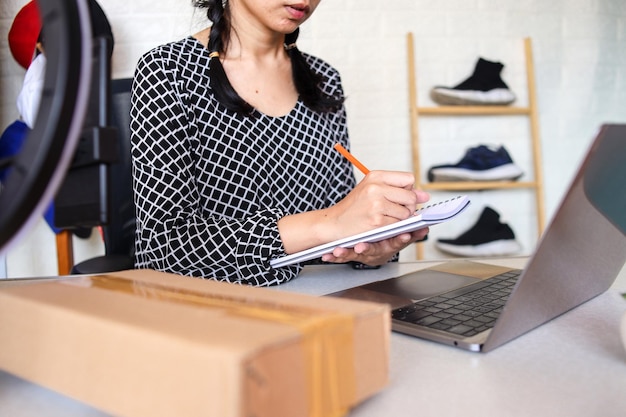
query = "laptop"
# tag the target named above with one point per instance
(478, 307)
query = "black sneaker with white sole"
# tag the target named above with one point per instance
(488, 237)
(483, 87)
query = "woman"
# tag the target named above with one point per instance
(232, 143)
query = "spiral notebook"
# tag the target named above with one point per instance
(427, 216)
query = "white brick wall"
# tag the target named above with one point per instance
(580, 63)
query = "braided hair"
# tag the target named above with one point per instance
(307, 82)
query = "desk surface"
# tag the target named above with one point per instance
(572, 366)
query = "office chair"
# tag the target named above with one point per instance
(119, 233)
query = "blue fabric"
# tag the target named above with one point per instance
(11, 143)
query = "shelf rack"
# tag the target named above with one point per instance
(529, 111)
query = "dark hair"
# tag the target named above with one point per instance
(308, 83)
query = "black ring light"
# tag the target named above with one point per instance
(37, 171)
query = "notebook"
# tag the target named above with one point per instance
(578, 257)
(427, 216)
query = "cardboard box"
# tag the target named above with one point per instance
(143, 343)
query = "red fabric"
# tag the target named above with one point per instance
(24, 33)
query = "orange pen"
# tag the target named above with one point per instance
(351, 158)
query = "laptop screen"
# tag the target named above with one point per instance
(605, 178)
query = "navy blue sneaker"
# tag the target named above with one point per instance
(481, 163)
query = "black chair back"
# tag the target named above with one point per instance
(119, 234)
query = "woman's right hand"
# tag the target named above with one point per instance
(381, 198)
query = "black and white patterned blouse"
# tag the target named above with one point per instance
(210, 184)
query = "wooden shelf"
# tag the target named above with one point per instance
(473, 110)
(477, 185)
(530, 112)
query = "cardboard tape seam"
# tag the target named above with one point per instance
(328, 338)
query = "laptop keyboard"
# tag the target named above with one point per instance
(466, 311)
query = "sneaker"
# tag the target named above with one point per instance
(481, 163)
(488, 237)
(483, 87)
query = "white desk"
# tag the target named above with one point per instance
(572, 366)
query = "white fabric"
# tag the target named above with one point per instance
(30, 95)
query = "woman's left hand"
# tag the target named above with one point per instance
(377, 253)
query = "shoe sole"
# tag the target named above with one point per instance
(495, 97)
(506, 172)
(495, 248)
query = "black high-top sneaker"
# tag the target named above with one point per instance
(483, 87)
(488, 237)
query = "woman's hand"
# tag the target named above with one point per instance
(378, 253)
(381, 198)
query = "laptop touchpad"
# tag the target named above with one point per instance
(421, 284)
(403, 290)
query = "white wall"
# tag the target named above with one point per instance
(580, 63)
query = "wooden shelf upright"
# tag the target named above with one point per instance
(529, 111)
